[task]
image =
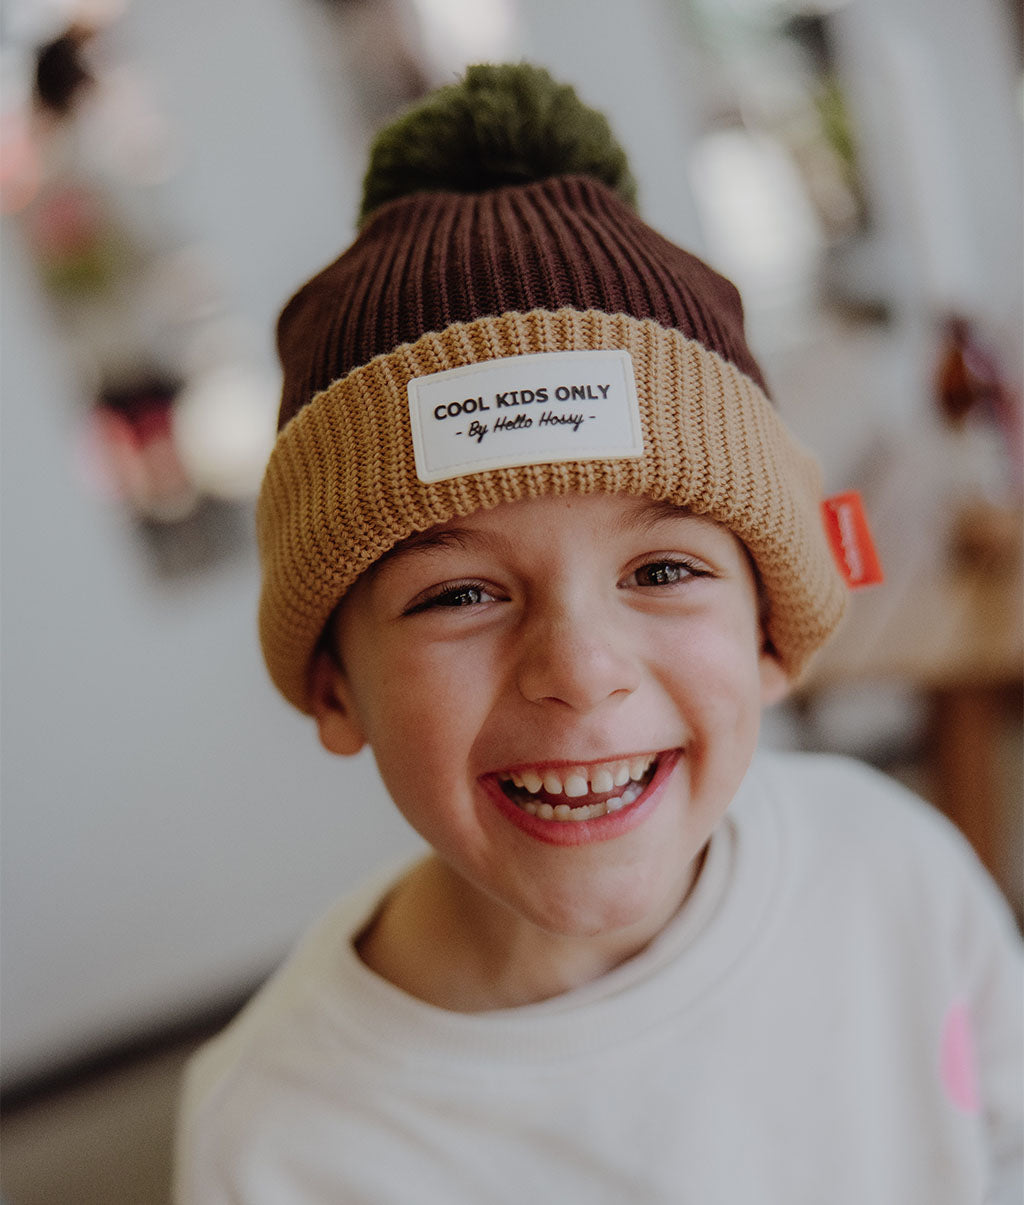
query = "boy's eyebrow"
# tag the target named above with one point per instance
(425, 541)
(652, 511)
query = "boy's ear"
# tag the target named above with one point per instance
(775, 682)
(334, 708)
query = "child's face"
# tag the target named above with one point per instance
(569, 642)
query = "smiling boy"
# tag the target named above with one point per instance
(562, 695)
(641, 962)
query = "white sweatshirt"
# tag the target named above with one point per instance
(835, 1016)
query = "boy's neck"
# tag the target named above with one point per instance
(439, 939)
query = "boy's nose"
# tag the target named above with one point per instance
(575, 661)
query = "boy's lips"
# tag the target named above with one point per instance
(574, 804)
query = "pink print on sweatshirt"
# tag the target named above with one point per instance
(959, 1071)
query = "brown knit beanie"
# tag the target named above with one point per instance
(497, 227)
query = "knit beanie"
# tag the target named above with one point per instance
(505, 326)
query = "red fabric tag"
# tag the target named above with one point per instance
(846, 526)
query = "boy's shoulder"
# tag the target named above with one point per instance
(841, 797)
(867, 835)
(286, 1020)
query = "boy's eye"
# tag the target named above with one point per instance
(664, 573)
(463, 594)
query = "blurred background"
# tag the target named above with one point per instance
(169, 175)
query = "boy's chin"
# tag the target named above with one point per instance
(615, 908)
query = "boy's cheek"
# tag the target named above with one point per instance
(721, 648)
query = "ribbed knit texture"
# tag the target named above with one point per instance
(341, 487)
(429, 260)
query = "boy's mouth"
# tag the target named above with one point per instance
(575, 793)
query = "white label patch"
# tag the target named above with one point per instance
(536, 409)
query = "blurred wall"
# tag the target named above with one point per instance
(169, 824)
(935, 90)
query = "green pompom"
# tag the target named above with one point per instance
(501, 124)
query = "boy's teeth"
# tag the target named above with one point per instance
(577, 785)
(579, 781)
(591, 811)
(601, 781)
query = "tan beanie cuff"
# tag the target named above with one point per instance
(341, 487)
